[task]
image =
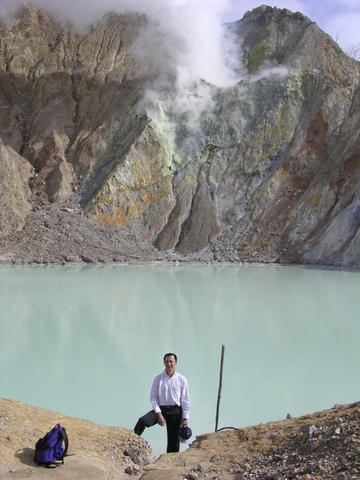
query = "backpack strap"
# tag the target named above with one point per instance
(66, 441)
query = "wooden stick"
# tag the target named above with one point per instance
(220, 387)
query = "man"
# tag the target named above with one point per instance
(170, 400)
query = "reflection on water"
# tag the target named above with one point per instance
(87, 341)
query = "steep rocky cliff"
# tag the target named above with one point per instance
(269, 171)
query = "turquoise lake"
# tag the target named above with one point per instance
(87, 341)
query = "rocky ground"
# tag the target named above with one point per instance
(61, 233)
(95, 452)
(324, 445)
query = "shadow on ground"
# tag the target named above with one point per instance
(26, 456)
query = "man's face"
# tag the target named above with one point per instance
(170, 365)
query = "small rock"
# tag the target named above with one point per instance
(300, 436)
(129, 451)
(192, 476)
(87, 259)
(129, 470)
(306, 470)
(215, 458)
(315, 446)
(277, 458)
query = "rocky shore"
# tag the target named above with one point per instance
(324, 445)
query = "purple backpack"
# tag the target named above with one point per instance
(52, 448)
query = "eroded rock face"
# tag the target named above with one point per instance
(273, 171)
(61, 90)
(292, 200)
(15, 174)
(138, 190)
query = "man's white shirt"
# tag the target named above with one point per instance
(173, 390)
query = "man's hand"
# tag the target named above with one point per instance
(160, 419)
(184, 422)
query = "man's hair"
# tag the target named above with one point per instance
(169, 355)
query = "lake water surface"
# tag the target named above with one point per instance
(87, 341)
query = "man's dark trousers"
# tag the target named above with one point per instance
(172, 415)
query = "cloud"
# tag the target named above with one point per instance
(344, 28)
(348, 3)
(341, 21)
